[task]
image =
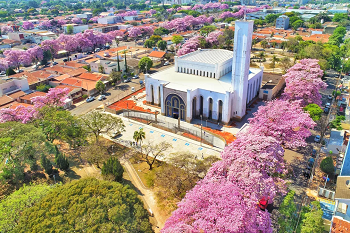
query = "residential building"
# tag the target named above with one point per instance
(106, 14)
(76, 28)
(157, 55)
(303, 2)
(109, 20)
(104, 28)
(272, 84)
(211, 84)
(108, 65)
(34, 78)
(27, 99)
(86, 15)
(7, 43)
(12, 84)
(282, 22)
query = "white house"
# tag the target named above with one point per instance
(107, 64)
(76, 28)
(109, 20)
(8, 85)
(213, 83)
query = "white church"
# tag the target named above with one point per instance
(213, 83)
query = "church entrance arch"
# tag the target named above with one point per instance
(194, 104)
(201, 106)
(220, 111)
(175, 107)
(152, 93)
(210, 115)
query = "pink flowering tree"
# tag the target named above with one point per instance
(36, 54)
(77, 20)
(171, 10)
(56, 97)
(3, 64)
(135, 32)
(94, 19)
(15, 58)
(52, 45)
(190, 46)
(6, 29)
(68, 43)
(212, 37)
(303, 82)
(61, 22)
(285, 121)
(20, 114)
(27, 25)
(152, 12)
(226, 199)
(45, 24)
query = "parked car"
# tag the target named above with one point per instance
(90, 99)
(330, 97)
(101, 97)
(328, 105)
(166, 63)
(97, 50)
(115, 134)
(132, 89)
(310, 163)
(326, 110)
(54, 63)
(317, 138)
(135, 76)
(314, 153)
(127, 80)
(2, 72)
(20, 71)
(65, 60)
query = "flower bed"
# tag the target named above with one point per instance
(229, 137)
(129, 104)
(190, 136)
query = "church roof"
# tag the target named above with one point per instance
(209, 56)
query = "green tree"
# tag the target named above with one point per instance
(115, 76)
(87, 67)
(156, 38)
(100, 87)
(314, 111)
(207, 29)
(261, 55)
(312, 221)
(336, 123)
(149, 43)
(273, 62)
(139, 136)
(285, 63)
(264, 44)
(96, 123)
(12, 207)
(101, 69)
(327, 165)
(43, 87)
(20, 146)
(113, 168)
(61, 161)
(161, 31)
(145, 64)
(177, 39)
(162, 45)
(287, 213)
(46, 164)
(339, 16)
(10, 72)
(87, 205)
(69, 29)
(297, 24)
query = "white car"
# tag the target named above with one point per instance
(328, 105)
(101, 97)
(166, 63)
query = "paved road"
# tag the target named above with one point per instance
(113, 94)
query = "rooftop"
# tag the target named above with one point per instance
(345, 170)
(5, 100)
(157, 54)
(182, 81)
(209, 56)
(16, 94)
(270, 80)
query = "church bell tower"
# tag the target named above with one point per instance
(240, 66)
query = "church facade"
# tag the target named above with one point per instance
(213, 83)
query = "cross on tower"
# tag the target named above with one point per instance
(244, 13)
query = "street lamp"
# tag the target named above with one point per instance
(201, 128)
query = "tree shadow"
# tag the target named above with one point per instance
(131, 185)
(123, 87)
(72, 175)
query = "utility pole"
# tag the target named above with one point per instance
(201, 128)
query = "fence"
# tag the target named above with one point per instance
(173, 127)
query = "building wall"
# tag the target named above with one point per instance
(282, 22)
(196, 68)
(77, 29)
(271, 93)
(254, 85)
(14, 84)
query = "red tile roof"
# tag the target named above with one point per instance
(16, 94)
(72, 64)
(71, 88)
(5, 100)
(89, 76)
(34, 94)
(340, 226)
(157, 54)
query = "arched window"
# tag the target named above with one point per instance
(220, 111)
(210, 114)
(175, 107)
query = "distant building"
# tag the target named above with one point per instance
(10, 84)
(179, 2)
(86, 16)
(109, 20)
(329, 29)
(248, 2)
(76, 28)
(303, 2)
(282, 22)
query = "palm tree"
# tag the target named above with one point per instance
(274, 60)
(139, 136)
(261, 55)
(273, 44)
(263, 44)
